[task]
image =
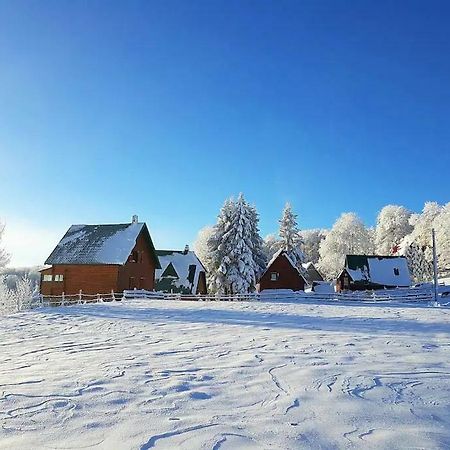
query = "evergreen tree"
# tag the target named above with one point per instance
(218, 249)
(245, 257)
(290, 238)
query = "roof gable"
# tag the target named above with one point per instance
(170, 271)
(283, 254)
(184, 265)
(98, 244)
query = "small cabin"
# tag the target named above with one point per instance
(311, 273)
(282, 273)
(181, 272)
(98, 259)
(370, 272)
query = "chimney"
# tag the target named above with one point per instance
(186, 249)
(134, 219)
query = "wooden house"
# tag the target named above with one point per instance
(181, 272)
(282, 273)
(101, 258)
(310, 273)
(368, 272)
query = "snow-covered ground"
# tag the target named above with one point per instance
(163, 374)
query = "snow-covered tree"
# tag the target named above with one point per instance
(290, 238)
(271, 245)
(420, 269)
(418, 245)
(259, 255)
(244, 261)
(311, 243)
(392, 226)
(4, 256)
(18, 299)
(201, 245)
(236, 249)
(219, 248)
(441, 225)
(348, 236)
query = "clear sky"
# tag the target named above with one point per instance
(166, 108)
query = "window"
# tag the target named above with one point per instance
(134, 256)
(396, 271)
(274, 276)
(59, 278)
(47, 278)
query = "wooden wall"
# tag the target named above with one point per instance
(288, 278)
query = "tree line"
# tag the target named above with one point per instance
(235, 255)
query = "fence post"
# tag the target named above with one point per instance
(98, 298)
(112, 295)
(62, 299)
(80, 297)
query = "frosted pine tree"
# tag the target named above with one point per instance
(290, 238)
(392, 226)
(271, 245)
(259, 255)
(219, 249)
(244, 260)
(348, 236)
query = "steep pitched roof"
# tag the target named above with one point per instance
(283, 253)
(382, 270)
(182, 267)
(99, 244)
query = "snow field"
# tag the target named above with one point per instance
(147, 374)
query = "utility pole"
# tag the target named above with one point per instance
(435, 268)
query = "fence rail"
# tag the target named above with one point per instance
(405, 295)
(400, 295)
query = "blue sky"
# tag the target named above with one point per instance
(166, 108)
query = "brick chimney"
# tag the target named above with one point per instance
(186, 249)
(135, 219)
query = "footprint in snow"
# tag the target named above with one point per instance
(199, 395)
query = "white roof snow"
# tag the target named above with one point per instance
(96, 244)
(383, 271)
(181, 261)
(386, 271)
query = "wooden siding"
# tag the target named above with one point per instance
(141, 274)
(288, 276)
(91, 279)
(103, 278)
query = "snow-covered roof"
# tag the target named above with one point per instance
(183, 267)
(307, 265)
(96, 244)
(382, 270)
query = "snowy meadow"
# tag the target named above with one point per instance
(146, 374)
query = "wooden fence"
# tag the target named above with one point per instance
(406, 295)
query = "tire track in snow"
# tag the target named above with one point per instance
(152, 441)
(223, 439)
(275, 379)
